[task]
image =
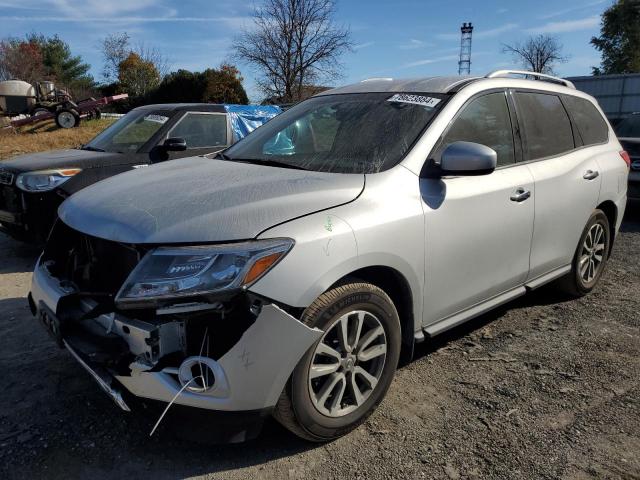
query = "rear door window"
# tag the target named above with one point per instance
(546, 126)
(202, 130)
(484, 120)
(591, 126)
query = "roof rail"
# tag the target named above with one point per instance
(537, 76)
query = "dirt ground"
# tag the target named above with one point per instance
(542, 388)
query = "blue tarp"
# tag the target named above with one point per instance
(246, 118)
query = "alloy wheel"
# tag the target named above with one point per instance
(592, 254)
(347, 363)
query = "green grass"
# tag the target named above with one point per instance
(46, 136)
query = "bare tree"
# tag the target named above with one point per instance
(293, 44)
(154, 56)
(115, 49)
(538, 54)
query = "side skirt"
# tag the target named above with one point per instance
(461, 317)
(472, 312)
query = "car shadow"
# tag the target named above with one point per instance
(631, 220)
(17, 257)
(545, 295)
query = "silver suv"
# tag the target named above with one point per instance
(289, 276)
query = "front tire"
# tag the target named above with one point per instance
(590, 257)
(345, 375)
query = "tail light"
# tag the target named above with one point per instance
(627, 159)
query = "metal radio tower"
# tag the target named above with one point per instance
(464, 65)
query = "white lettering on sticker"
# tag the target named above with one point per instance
(156, 118)
(415, 99)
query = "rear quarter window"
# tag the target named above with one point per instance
(546, 125)
(591, 126)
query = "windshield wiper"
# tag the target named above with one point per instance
(266, 162)
(91, 149)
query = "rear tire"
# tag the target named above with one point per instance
(590, 257)
(360, 350)
(39, 111)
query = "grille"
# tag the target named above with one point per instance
(6, 178)
(9, 199)
(93, 265)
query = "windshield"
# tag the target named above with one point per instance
(354, 133)
(129, 133)
(629, 127)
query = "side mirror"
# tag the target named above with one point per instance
(175, 144)
(468, 158)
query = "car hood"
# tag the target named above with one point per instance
(61, 159)
(203, 200)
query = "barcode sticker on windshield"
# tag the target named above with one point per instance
(415, 100)
(156, 118)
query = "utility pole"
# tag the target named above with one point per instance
(464, 65)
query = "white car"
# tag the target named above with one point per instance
(288, 276)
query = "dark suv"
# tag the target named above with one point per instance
(33, 186)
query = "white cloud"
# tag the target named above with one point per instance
(567, 26)
(414, 43)
(98, 8)
(120, 12)
(564, 11)
(494, 32)
(428, 61)
(363, 45)
(230, 21)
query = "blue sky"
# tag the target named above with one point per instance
(393, 38)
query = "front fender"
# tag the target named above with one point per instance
(325, 250)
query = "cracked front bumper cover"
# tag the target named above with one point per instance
(249, 376)
(254, 371)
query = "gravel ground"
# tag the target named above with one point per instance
(542, 388)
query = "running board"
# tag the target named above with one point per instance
(476, 310)
(547, 277)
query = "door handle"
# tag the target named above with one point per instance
(520, 195)
(590, 174)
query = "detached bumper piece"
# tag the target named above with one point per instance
(102, 377)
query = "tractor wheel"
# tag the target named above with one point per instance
(67, 118)
(39, 111)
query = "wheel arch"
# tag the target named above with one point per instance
(611, 211)
(394, 284)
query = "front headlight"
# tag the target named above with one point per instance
(183, 272)
(45, 180)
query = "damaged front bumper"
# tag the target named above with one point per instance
(154, 358)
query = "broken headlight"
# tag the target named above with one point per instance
(176, 272)
(44, 180)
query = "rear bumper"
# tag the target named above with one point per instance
(250, 376)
